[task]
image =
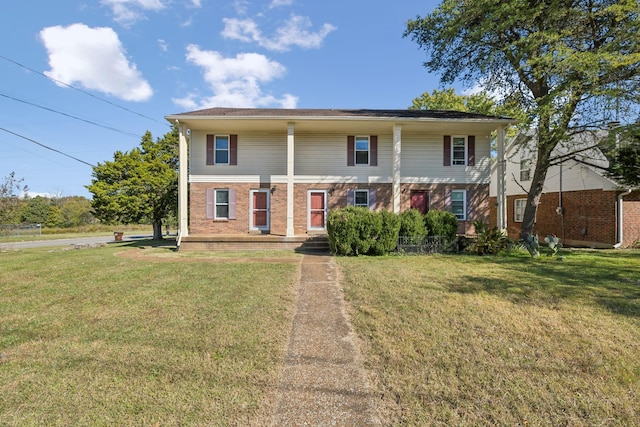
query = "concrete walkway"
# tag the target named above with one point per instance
(323, 382)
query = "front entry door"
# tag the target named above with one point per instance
(420, 201)
(260, 210)
(317, 202)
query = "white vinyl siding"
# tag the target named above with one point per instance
(257, 154)
(421, 162)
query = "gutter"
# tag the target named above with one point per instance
(620, 223)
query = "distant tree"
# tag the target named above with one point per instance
(477, 103)
(625, 160)
(10, 201)
(37, 211)
(563, 61)
(139, 186)
(76, 211)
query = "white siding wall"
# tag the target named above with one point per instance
(258, 154)
(422, 161)
(317, 155)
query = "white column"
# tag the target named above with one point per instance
(290, 177)
(183, 171)
(397, 150)
(501, 184)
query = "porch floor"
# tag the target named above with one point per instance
(224, 242)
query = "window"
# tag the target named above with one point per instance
(525, 170)
(362, 150)
(518, 209)
(361, 198)
(222, 150)
(459, 204)
(459, 150)
(222, 204)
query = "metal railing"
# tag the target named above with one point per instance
(423, 244)
(20, 230)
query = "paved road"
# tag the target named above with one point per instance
(65, 242)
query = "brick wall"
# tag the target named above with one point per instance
(589, 217)
(477, 204)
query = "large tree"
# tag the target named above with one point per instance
(138, 186)
(569, 63)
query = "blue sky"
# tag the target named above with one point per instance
(132, 62)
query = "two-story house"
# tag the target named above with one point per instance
(273, 175)
(579, 203)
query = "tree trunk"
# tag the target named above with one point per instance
(545, 146)
(157, 230)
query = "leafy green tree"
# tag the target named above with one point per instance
(478, 103)
(562, 61)
(140, 185)
(10, 201)
(76, 211)
(37, 211)
(625, 160)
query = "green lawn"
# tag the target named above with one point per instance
(466, 340)
(88, 338)
(129, 334)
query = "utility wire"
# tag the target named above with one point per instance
(71, 116)
(47, 147)
(82, 91)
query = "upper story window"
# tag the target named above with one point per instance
(459, 204)
(362, 150)
(222, 149)
(458, 150)
(525, 170)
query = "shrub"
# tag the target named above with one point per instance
(441, 223)
(412, 225)
(387, 240)
(358, 231)
(490, 241)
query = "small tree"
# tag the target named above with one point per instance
(140, 185)
(10, 189)
(625, 160)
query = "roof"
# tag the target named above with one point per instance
(338, 113)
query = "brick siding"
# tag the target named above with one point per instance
(477, 204)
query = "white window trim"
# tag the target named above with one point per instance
(215, 149)
(216, 204)
(515, 211)
(355, 150)
(466, 150)
(361, 191)
(464, 203)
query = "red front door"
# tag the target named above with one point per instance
(317, 209)
(420, 201)
(260, 210)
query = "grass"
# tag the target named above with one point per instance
(465, 340)
(89, 338)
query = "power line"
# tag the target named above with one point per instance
(82, 91)
(124, 132)
(46, 146)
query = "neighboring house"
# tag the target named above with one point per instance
(579, 203)
(274, 174)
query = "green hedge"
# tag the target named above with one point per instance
(441, 223)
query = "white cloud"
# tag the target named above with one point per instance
(163, 45)
(278, 3)
(196, 3)
(126, 12)
(235, 82)
(295, 32)
(95, 59)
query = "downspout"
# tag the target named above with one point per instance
(620, 223)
